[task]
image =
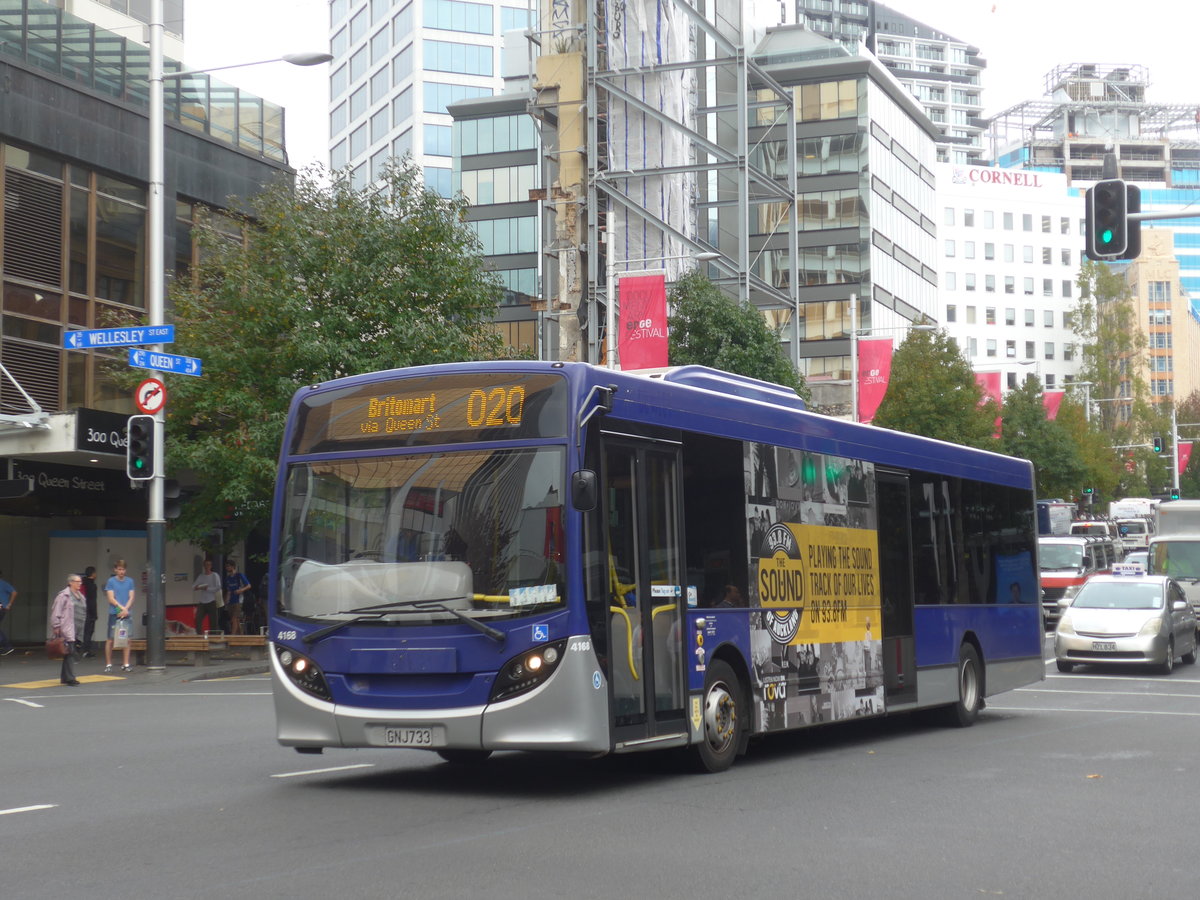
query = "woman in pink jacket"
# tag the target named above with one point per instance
(62, 622)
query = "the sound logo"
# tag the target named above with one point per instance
(781, 584)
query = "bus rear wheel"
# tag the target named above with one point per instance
(965, 710)
(463, 757)
(723, 712)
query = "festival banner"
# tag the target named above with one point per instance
(642, 332)
(1185, 453)
(874, 371)
(990, 382)
(1052, 400)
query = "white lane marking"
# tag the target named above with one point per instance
(25, 702)
(1121, 712)
(324, 771)
(21, 809)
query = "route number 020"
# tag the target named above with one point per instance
(498, 407)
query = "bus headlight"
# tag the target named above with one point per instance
(525, 672)
(303, 672)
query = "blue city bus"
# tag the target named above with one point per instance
(554, 556)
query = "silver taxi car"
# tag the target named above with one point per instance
(1127, 617)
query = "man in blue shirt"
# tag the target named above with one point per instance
(8, 594)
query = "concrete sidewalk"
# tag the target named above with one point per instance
(28, 667)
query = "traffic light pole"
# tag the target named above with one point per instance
(156, 526)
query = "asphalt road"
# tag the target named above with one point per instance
(132, 788)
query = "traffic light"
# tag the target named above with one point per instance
(1106, 209)
(1133, 230)
(139, 448)
(1158, 443)
(1174, 493)
(171, 505)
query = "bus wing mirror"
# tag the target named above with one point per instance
(584, 493)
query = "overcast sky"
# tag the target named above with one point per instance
(1021, 40)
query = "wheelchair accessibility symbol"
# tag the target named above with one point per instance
(541, 632)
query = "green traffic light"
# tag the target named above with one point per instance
(1106, 235)
(139, 464)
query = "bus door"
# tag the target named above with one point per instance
(646, 590)
(896, 587)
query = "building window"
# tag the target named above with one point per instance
(438, 140)
(438, 180)
(1160, 291)
(1027, 253)
(1027, 286)
(1064, 225)
(950, 281)
(1047, 287)
(991, 347)
(1047, 252)
(1066, 287)
(969, 279)
(989, 219)
(1066, 257)
(989, 283)
(948, 217)
(1009, 253)
(968, 249)
(1045, 225)
(1010, 316)
(1030, 349)
(1010, 349)
(465, 59)
(455, 15)
(949, 248)
(1029, 318)
(989, 315)
(969, 218)
(989, 251)
(1010, 284)
(1049, 350)
(1027, 222)
(1008, 221)
(970, 315)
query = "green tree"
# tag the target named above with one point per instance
(932, 391)
(706, 328)
(1027, 433)
(325, 281)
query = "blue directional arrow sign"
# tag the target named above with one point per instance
(119, 337)
(164, 362)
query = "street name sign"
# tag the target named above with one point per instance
(164, 362)
(119, 337)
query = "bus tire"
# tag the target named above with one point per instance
(462, 756)
(724, 710)
(965, 710)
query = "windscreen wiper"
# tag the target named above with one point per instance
(379, 610)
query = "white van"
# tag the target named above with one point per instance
(1134, 533)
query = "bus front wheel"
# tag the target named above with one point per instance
(970, 689)
(723, 712)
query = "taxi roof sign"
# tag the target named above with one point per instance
(1128, 568)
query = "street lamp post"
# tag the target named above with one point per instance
(855, 331)
(156, 535)
(610, 313)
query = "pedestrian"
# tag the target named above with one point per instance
(236, 585)
(120, 593)
(209, 582)
(85, 644)
(62, 623)
(8, 594)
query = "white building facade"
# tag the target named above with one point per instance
(397, 65)
(1011, 244)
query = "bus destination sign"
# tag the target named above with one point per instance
(427, 410)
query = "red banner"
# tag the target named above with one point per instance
(874, 371)
(642, 333)
(1052, 400)
(1185, 453)
(990, 382)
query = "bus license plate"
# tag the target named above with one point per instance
(408, 737)
(1104, 645)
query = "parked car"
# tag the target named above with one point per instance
(1127, 617)
(1066, 563)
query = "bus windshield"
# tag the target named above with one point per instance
(424, 538)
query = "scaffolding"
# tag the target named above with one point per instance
(649, 160)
